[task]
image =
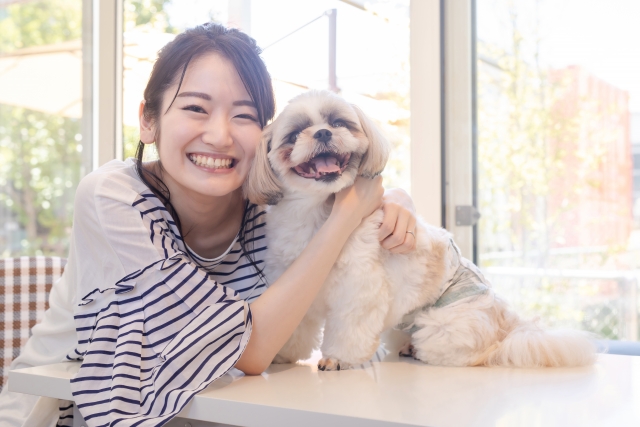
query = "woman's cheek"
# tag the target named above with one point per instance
(250, 150)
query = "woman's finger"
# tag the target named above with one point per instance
(389, 219)
(409, 243)
(397, 238)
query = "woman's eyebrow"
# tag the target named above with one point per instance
(196, 94)
(208, 98)
(245, 103)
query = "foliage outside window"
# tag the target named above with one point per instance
(40, 151)
(555, 178)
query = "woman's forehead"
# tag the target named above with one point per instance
(214, 75)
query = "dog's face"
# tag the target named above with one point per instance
(319, 144)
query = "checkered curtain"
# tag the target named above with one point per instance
(25, 283)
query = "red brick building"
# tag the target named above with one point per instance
(591, 197)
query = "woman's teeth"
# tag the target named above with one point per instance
(210, 162)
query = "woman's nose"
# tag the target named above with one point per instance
(217, 133)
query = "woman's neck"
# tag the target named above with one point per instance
(208, 223)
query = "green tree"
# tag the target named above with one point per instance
(147, 12)
(39, 171)
(38, 23)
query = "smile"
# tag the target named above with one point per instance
(323, 166)
(211, 162)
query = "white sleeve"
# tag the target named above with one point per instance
(153, 329)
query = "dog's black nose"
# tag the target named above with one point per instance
(323, 135)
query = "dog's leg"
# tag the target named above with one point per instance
(407, 350)
(302, 342)
(355, 322)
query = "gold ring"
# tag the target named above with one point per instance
(412, 233)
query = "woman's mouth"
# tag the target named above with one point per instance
(211, 162)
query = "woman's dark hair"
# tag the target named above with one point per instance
(170, 67)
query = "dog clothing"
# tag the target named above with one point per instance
(466, 281)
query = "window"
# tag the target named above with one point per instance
(42, 145)
(556, 89)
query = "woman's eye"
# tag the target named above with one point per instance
(339, 124)
(248, 117)
(195, 108)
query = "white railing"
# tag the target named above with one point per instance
(624, 304)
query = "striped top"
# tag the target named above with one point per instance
(172, 322)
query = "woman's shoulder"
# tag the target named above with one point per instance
(116, 179)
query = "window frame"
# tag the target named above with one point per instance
(102, 88)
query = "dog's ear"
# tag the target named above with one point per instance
(377, 154)
(262, 187)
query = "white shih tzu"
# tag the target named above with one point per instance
(316, 147)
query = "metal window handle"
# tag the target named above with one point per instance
(467, 216)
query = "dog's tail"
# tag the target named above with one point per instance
(528, 345)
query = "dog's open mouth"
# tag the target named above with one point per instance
(324, 166)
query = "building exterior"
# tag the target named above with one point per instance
(635, 149)
(591, 194)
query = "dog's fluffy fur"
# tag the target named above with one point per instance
(369, 288)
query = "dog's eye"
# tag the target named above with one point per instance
(293, 137)
(339, 124)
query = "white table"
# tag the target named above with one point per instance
(401, 392)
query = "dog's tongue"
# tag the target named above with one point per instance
(327, 164)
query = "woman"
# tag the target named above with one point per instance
(165, 256)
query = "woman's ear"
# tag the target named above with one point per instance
(147, 128)
(262, 187)
(377, 154)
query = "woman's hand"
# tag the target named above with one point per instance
(399, 219)
(359, 200)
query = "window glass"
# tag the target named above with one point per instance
(40, 124)
(558, 100)
(372, 61)
(372, 56)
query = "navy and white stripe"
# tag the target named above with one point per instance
(65, 419)
(163, 333)
(233, 269)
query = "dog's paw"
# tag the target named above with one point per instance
(332, 364)
(280, 359)
(407, 350)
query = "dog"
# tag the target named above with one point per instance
(316, 147)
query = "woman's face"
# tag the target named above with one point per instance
(208, 138)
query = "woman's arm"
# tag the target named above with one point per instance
(279, 310)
